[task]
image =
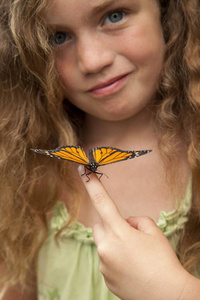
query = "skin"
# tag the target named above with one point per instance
(90, 50)
(95, 50)
(146, 267)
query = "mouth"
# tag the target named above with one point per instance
(110, 86)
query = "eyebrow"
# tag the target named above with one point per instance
(103, 5)
(97, 8)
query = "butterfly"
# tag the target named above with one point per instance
(99, 156)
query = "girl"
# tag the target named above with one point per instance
(96, 73)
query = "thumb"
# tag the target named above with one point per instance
(105, 207)
(145, 224)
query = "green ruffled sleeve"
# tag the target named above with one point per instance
(173, 222)
(69, 267)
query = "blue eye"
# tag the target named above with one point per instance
(114, 17)
(60, 37)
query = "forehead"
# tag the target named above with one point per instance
(96, 4)
(74, 8)
(60, 9)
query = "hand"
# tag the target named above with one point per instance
(137, 260)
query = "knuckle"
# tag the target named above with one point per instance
(105, 254)
(101, 251)
(96, 227)
(98, 198)
(101, 268)
(148, 220)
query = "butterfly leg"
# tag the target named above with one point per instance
(101, 174)
(84, 172)
(87, 174)
(98, 173)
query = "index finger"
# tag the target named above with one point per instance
(105, 207)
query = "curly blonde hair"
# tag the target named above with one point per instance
(178, 107)
(33, 116)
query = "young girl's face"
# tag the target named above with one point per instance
(109, 54)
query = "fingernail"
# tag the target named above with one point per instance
(80, 170)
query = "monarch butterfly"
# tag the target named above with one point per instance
(99, 156)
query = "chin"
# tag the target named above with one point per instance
(116, 117)
(121, 115)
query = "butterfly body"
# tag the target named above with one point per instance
(93, 165)
(98, 156)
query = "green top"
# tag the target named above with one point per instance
(69, 270)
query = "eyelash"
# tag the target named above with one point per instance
(52, 39)
(119, 10)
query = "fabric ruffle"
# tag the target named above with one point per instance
(75, 230)
(169, 223)
(175, 220)
(68, 268)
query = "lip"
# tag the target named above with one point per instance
(110, 86)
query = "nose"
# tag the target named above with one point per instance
(94, 54)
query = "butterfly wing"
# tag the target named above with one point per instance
(108, 155)
(71, 153)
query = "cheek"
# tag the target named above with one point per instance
(144, 47)
(146, 55)
(66, 74)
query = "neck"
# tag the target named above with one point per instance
(138, 131)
